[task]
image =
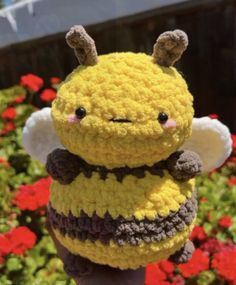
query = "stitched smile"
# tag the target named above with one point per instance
(120, 120)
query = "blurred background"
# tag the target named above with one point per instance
(34, 58)
(32, 41)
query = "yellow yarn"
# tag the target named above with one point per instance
(130, 86)
(127, 256)
(145, 197)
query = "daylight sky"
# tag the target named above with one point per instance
(7, 2)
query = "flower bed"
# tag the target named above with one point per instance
(27, 254)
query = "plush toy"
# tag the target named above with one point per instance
(122, 147)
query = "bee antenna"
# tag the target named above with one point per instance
(83, 45)
(169, 47)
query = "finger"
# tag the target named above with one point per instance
(112, 276)
(90, 273)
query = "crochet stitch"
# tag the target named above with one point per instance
(138, 91)
(121, 137)
(123, 150)
(169, 47)
(184, 165)
(184, 254)
(83, 45)
(145, 197)
(126, 256)
(65, 167)
(122, 230)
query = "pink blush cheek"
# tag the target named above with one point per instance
(72, 119)
(169, 124)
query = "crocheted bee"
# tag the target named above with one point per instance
(122, 147)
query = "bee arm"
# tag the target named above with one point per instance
(184, 254)
(184, 165)
(63, 166)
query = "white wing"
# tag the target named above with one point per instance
(39, 137)
(211, 140)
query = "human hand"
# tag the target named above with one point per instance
(86, 272)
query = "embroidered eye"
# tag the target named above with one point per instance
(80, 113)
(162, 117)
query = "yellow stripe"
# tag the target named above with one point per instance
(146, 197)
(126, 256)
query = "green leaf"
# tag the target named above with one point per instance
(208, 228)
(206, 278)
(9, 95)
(4, 280)
(23, 112)
(19, 161)
(13, 264)
(221, 236)
(31, 264)
(36, 169)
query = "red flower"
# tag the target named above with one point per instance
(198, 233)
(203, 199)
(198, 263)
(5, 245)
(19, 99)
(212, 245)
(48, 95)
(166, 266)
(9, 126)
(232, 159)
(4, 162)
(231, 181)
(33, 197)
(178, 280)
(9, 113)
(233, 137)
(32, 82)
(225, 263)
(1, 260)
(154, 275)
(209, 216)
(225, 222)
(17, 241)
(22, 239)
(213, 116)
(55, 80)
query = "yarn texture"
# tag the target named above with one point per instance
(146, 197)
(123, 149)
(36, 144)
(123, 86)
(127, 256)
(121, 129)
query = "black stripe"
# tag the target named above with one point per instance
(59, 160)
(120, 230)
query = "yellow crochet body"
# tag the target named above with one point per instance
(139, 197)
(127, 256)
(123, 86)
(142, 198)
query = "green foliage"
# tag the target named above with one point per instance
(40, 265)
(220, 201)
(9, 95)
(206, 278)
